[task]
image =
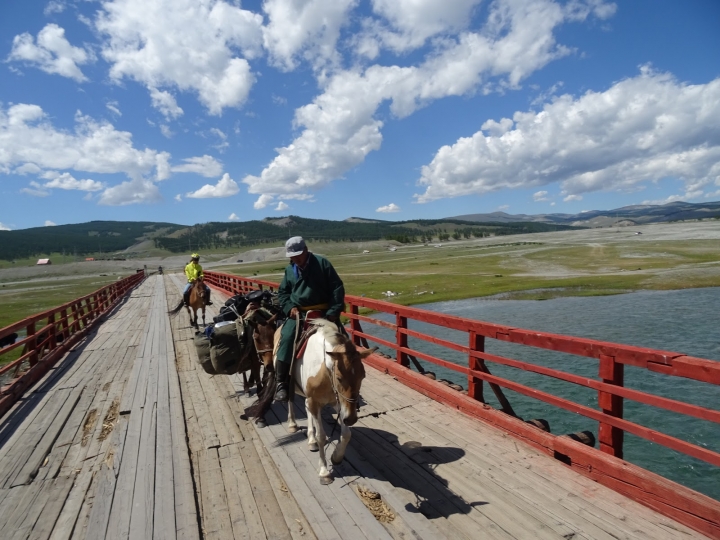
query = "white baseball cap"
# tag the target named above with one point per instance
(295, 246)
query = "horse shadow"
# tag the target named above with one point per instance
(378, 454)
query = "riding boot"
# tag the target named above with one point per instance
(186, 298)
(207, 298)
(282, 374)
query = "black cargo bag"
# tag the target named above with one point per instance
(202, 347)
(230, 348)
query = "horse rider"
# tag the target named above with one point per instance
(310, 283)
(194, 271)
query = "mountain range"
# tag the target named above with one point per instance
(627, 215)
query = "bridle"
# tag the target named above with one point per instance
(338, 395)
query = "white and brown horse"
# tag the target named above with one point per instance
(329, 372)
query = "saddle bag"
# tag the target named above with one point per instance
(230, 350)
(226, 313)
(202, 347)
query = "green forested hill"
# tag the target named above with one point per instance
(250, 233)
(110, 237)
(81, 239)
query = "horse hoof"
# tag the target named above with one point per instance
(326, 480)
(292, 429)
(260, 422)
(313, 447)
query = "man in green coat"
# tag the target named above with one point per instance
(310, 283)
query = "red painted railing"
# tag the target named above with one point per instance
(604, 465)
(50, 334)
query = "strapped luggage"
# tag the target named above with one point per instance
(202, 347)
(230, 350)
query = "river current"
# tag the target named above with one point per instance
(684, 321)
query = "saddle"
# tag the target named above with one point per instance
(308, 330)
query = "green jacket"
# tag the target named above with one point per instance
(317, 284)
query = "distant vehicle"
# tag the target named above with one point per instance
(160, 270)
(393, 248)
(239, 260)
(638, 232)
(366, 251)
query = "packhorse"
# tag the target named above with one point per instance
(196, 301)
(263, 341)
(328, 371)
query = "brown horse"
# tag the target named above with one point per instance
(196, 301)
(263, 341)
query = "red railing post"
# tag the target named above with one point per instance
(610, 437)
(354, 325)
(401, 339)
(475, 385)
(31, 346)
(64, 324)
(53, 331)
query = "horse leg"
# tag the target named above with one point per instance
(292, 424)
(339, 454)
(246, 385)
(312, 441)
(203, 312)
(325, 475)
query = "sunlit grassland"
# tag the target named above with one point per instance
(530, 270)
(20, 300)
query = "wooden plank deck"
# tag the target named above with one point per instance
(125, 438)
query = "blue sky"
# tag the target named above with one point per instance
(190, 111)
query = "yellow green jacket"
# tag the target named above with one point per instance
(193, 271)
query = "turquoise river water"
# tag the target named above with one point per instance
(684, 321)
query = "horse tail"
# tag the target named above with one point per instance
(176, 310)
(264, 401)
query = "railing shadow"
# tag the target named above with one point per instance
(32, 398)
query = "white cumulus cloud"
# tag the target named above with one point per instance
(540, 196)
(206, 166)
(406, 24)
(309, 29)
(49, 223)
(641, 129)
(4, 227)
(392, 207)
(200, 47)
(136, 191)
(165, 103)
(281, 206)
(28, 139)
(226, 187)
(51, 52)
(234, 217)
(339, 128)
(68, 182)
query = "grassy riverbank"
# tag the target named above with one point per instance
(538, 266)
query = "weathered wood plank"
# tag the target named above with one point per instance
(216, 517)
(102, 502)
(164, 517)
(141, 519)
(58, 495)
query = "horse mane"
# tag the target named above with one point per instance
(330, 332)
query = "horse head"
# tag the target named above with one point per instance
(347, 376)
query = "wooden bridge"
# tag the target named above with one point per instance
(112, 432)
